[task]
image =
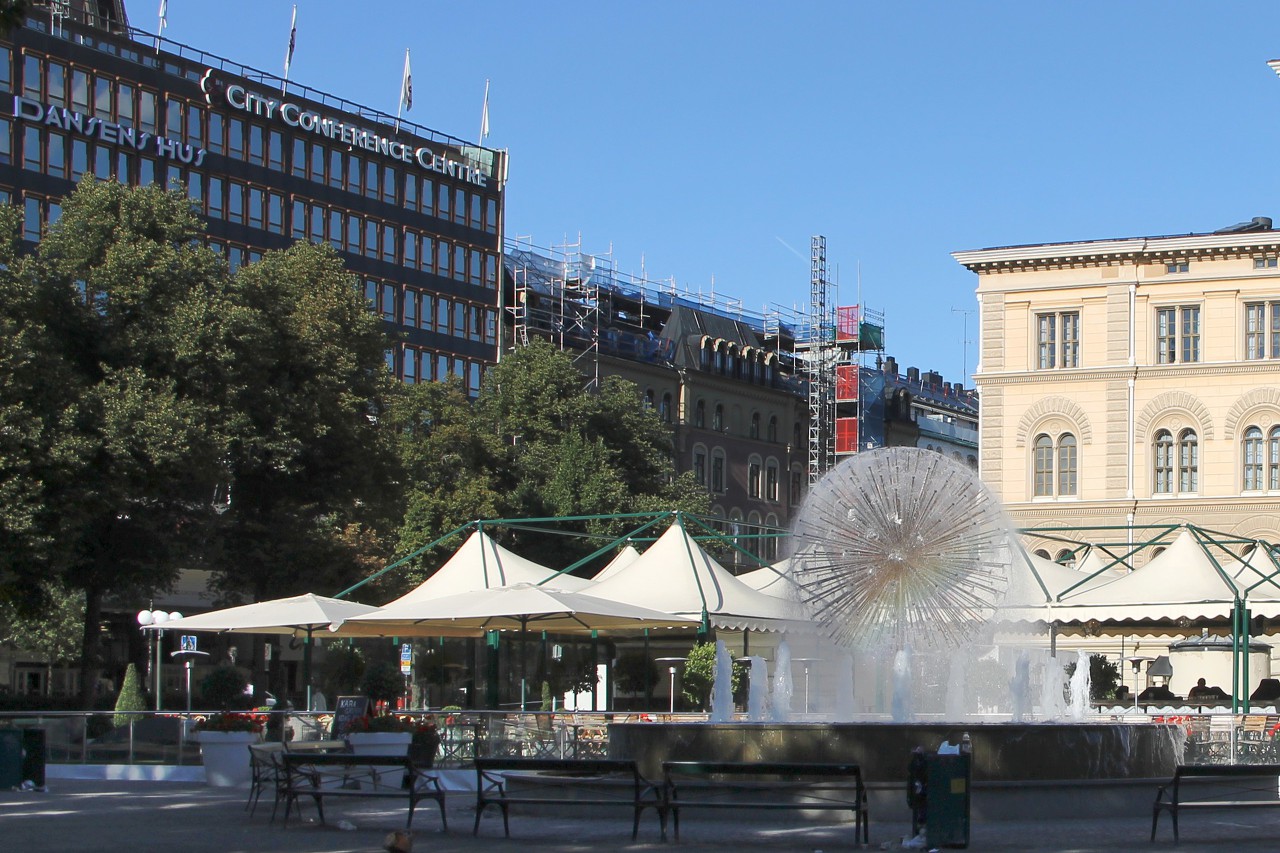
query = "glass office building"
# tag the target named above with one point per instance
(416, 215)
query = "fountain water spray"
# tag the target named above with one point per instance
(1080, 687)
(758, 690)
(722, 688)
(780, 696)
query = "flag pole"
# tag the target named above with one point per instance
(406, 90)
(288, 57)
(164, 22)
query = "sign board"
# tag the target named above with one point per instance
(188, 642)
(346, 710)
(406, 659)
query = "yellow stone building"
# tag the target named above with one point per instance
(1134, 381)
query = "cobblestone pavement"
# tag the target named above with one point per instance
(140, 817)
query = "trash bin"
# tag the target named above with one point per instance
(949, 783)
(22, 757)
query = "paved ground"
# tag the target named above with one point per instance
(142, 817)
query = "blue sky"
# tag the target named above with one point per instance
(710, 140)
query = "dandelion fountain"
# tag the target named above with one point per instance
(903, 557)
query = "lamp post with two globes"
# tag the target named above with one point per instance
(154, 620)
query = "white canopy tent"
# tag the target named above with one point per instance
(624, 558)
(481, 563)
(1180, 582)
(675, 575)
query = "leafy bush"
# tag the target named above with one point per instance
(223, 687)
(130, 698)
(343, 668)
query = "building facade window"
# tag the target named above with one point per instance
(1055, 466)
(700, 465)
(1265, 263)
(755, 424)
(1176, 463)
(1058, 339)
(753, 477)
(717, 471)
(664, 410)
(1260, 459)
(717, 418)
(1262, 330)
(771, 481)
(1178, 335)
(1177, 267)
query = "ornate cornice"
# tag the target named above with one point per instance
(1137, 250)
(1176, 401)
(1050, 407)
(1258, 398)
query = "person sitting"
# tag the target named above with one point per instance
(1156, 693)
(1200, 691)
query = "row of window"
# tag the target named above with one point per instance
(217, 197)
(1175, 463)
(1177, 335)
(749, 364)
(420, 309)
(94, 94)
(396, 304)
(709, 468)
(423, 365)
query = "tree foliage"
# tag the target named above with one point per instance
(130, 698)
(538, 443)
(51, 631)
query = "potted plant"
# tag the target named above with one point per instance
(425, 743)
(224, 747)
(381, 735)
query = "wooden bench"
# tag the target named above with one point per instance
(565, 781)
(321, 775)
(766, 785)
(1216, 786)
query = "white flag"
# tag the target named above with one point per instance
(484, 115)
(406, 85)
(164, 15)
(293, 37)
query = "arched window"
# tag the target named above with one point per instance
(1188, 462)
(1273, 459)
(664, 411)
(704, 356)
(700, 414)
(700, 464)
(1043, 466)
(753, 477)
(771, 480)
(1040, 552)
(1176, 467)
(1253, 459)
(1067, 464)
(717, 471)
(1054, 466)
(717, 418)
(755, 424)
(1064, 557)
(648, 399)
(772, 435)
(1162, 483)
(973, 461)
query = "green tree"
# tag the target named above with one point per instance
(53, 631)
(127, 307)
(537, 443)
(130, 698)
(1104, 677)
(223, 687)
(700, 675)
(310, 468)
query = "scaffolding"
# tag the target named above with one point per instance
(582, 303)
(820, 364)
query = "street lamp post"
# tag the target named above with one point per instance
(153, 619)
(1136, 661)
(672, 670)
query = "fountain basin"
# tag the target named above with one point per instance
(1002, 752)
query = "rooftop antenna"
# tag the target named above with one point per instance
(964, 359)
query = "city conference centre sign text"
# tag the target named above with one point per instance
(309, 121)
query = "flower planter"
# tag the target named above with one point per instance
(226, 757)
(379, 743)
